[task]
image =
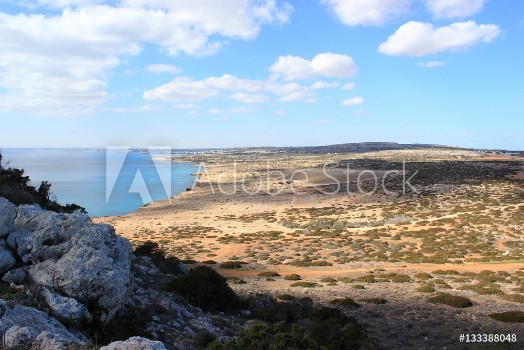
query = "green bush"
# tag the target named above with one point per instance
(304, 284)
(422, 276)
(279, 336)
(151, 249)
(207, 289)
(269, 274)
(400, 278)
(451, 300)
(517, 298)
(293, 277)
(348, 302)
(508, 316)
(286, 297)
(232, 265)
(426, 288)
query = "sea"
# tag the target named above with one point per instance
(106, 182)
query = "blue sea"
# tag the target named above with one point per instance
(105, 182)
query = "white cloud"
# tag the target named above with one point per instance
(431, 64)
(454, 8)
(323, 65)
(420, 39)
(143, 108)
(280, 112)
(348, 86)
(184, 89)
(180, 90)
(353, 101)
(323, 85)
(59, 63)
(249, 98)
(367, 12)
(162, 68)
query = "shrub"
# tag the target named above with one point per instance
(423, 276)
(517, 298)
(348, 302)
(293, 277)
(400, 278)
(151, 249)
(304, 284)
(451, 300)
(279, 336)
(231, 265)
(209, 262)
(358, 286)
(269, 274)
(366, 278)
(426, 288)
(207, 289)
(377, 301)
(286, 297)
(508, 316)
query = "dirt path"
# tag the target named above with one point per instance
(477, 267)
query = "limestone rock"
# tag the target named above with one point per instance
(7, 260)
(135, 343)
(16, 276)
(22, 326)
(7, 217)
(65, 309)
(72, 255)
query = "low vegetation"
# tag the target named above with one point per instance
(451, 300)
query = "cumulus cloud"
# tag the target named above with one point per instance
(454, 8)
(367, 12)
(322, 65)
(353, 101)
(323, 85)
(184, 89)
(431, 64)
(59, 62)
(249, 98)
(181, 90)
(162, 68)
(421, 39)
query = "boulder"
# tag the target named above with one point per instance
(22, 327)
(135, 343)
(7, 260)
(16, 276)
(7, 217)
(70, 254)
(65, 309)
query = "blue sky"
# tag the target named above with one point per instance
(206, 73)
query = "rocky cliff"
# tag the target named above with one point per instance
(62, 275)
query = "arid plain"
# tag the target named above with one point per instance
(388, 229)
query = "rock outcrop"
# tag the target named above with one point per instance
(68, 254)
(135, 343)
(25, 327)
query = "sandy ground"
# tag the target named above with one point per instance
(249, 223)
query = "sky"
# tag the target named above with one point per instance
(233, 73)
